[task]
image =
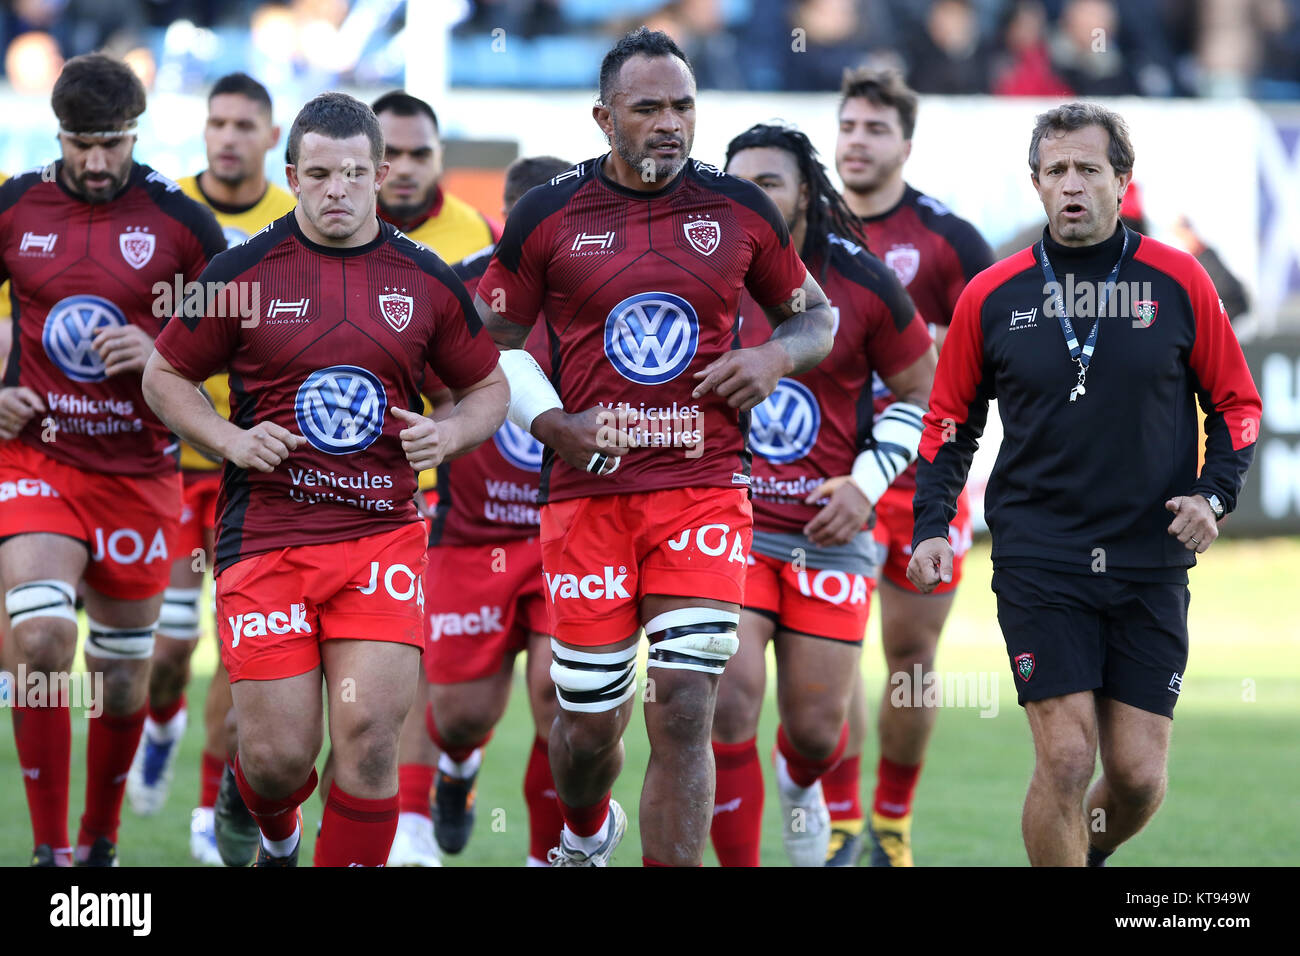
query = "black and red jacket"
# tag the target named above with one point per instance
(1072, 478)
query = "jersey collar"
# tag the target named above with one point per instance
(385, 233)
(637, 193)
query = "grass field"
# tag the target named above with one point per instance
(1234, 789)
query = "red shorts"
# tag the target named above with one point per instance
(198, 511)
(128, 523)
(603, 554)
(482, 602)
(274, 609)
(894, 527)
(833, 604)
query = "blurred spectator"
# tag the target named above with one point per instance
(949, 56)
(696, 26)
(1085, 50)
(33, 63)
(828, 37)
(1025, 68)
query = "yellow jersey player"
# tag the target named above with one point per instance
(413, 200)
(238, 134)
(412, 197)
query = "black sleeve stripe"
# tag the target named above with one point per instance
(743, 193)
(238, 259)
(475, 265)
(193, 215)
(15, 187)
(862, 268)
(972, 251)
(535, 207)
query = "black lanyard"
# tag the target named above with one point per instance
(1080, 356)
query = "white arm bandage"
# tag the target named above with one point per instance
(531, 392)
(898, 436)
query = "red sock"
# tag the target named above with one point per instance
(737, 804)
(44, 739)
(161, 716)
(544, 817)
(414, 781)
(210, 778)
(356, 832)
(895, 785)
(843, 789)
(585, 821)
(803, 771)
(110, 747)
(457, 753)
(275, 818)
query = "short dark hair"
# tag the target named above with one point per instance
(243, 85)
(96, 93)
(529, 171)
(1072, 116)
(640, 42)
(337, 116)
(882, 88)
(402, 103)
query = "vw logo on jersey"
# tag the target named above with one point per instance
(784, 426)
(518, 447)
(651, 337)
(70, 331)
(233, 236)
(341, 409)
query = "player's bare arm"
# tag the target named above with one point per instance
(801, 339)
(178, 402)
(478, 412)
(17, 405)
(123, 348)
(848, 507)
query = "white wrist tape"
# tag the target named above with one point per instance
(531, 393)
(898, 436)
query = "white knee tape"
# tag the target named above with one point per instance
(48, 598)
(592, 682)
(120, 643)
(179, 618)
(693, 639)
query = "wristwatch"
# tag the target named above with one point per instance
(1216, 506)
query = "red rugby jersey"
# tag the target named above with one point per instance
(490, 494)
(640, 291)
(934, 253)
(77, 267)
(813, 426)
(341, 335)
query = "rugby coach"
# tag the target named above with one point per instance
(1097, 342)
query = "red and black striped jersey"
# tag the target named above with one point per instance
(639, 291)
(814, 424)
(340, 335)
(1073, 477)
(78, 267)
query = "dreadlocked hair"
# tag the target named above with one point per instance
(827, 210)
